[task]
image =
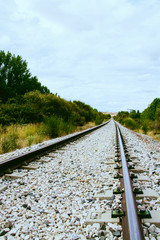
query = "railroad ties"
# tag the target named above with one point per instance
(119, 186)
(129, 174)
(17, 161)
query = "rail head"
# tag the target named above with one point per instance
(133, 222)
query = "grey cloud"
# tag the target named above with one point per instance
(105, 53)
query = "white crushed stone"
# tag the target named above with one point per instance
(53, 201)
(147, 151)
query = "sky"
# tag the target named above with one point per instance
(105, 53)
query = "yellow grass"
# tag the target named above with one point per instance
(151, 134)
(20, 136)
(25, 135)
(155, 136)
(86, 126)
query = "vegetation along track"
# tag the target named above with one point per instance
(76, 192)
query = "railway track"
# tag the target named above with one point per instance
(85, 190)
(131, 224)
(17, 161)
(132, 220)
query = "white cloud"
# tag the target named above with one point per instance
(101, 52)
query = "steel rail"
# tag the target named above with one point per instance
(133, 223)
(17, 161)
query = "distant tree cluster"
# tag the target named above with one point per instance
(152, 112)
(151, 116)
(24, 100)
(15, 77)
(129, 119)
(148, 120)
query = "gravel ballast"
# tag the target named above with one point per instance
(53, 201)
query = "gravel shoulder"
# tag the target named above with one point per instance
(53, 201)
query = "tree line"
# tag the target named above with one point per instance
(148, 120)
(15, 77)
(24, 100)
(35, 107)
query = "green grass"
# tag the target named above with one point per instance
(19, 136)
(55, 127)
(9, 142)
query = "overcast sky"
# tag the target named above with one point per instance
(105, 53)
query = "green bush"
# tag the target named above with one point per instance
(67, 127)
(55, 127)
(98, 120)
(157, 120)
(35, 107)
(145, 128)
(51, 127)
(130, 123)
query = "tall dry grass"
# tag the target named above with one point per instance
(19, 136)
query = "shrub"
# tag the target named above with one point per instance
(98, 120)
(145, 128)
(157, 120)
(68, 127)
(51, 127)
(130, 123)
(55, 127)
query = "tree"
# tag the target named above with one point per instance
(157, 119)
(135, 114)
(150, 112)
(15, 77)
